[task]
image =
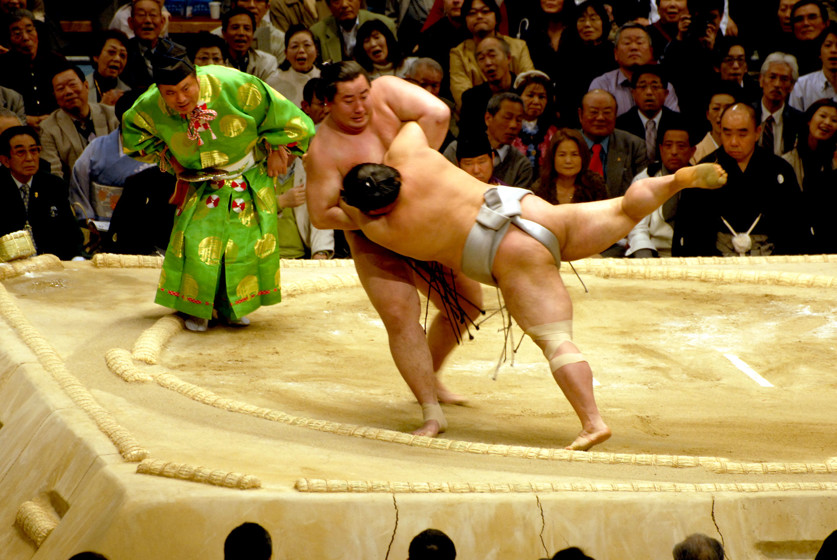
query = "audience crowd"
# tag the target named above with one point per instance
(574, 99)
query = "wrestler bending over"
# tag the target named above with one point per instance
(507, 237)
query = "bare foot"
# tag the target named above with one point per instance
(586, 440)
(430, 429)
(702, 176)
(446, 396)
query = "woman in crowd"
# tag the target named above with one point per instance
(377, 50)
(300, 65)
(535, 88)
(568, 179)
(543, 29)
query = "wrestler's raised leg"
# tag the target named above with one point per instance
(388, 282)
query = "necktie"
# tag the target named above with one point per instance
(767, 139)
(596, 160)
(651, 140)
(24, 193)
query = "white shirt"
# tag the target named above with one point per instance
(810, 88)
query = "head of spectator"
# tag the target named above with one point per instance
(675, 143)
(572, 553)
(125, 102)
(569, 179)
(704, 22)
(378, 47)
(475, 155)
(20, 152)
(597, 114)
(301, 52)
(453, 11)
(672, 11)
(809, 18)
(724, 95)
(8, 7)
(632, 48)
(698, 547)
(8, 119)
(554, 11)
(146, 21)
(480, 17)
(494, 59)
(828, 548)
(208, 48)
(649, 88)
(71, 91)
(784, 15)
(821, 117)
(110, 53)
(88, 556)
(431, 544)
(248, 541)
(535, 89)
(344, 11)
(345, 88)
(257, 7)
(427, 74)
(23, 37)
(592, 22)
(779, 73)
(177, 82)
(313, 104)
(740, 133)
(828, 52)
(503, 118)
(732, 60)
(238, 27)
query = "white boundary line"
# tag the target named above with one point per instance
(742, 365)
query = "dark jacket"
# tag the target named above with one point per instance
(630, 121)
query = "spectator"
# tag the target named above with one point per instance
(337, 33)
(378, 51)
(285, 13)
(565, 176)
(28, 68)
(428, 74)
(208, 48)
(780, 123)
(724, 95)
(649, 88)
(828, 548)
(248, 541)
(572, 553)
(297, 237)
(33, 200)
(480, 18)
(494, 60)
(121, 17)
(632, 50)
(664, 30)
(475, 156)
(437, 40)
(13, 101)
(535, 89)
(698, 547)
(147, 23)
(266, 37)
(237, 26)
(616, 155)
(823, 83)
(809, 19)
(546, 25)
(757, 211)
(111, 55)
(9, 119)
(651, 237)
(410, 16)
(431, 544)
(732, 67)
(313, 102)
(301, 64)
(7, 10)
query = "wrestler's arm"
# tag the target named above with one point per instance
(322, 192)
(409, 102)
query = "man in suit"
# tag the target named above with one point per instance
(33, 200)
(71, 127)
(781, 124)
(338, 32)
(617, 155)
(147, 23)
(649, 88)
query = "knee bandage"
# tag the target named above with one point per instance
(434, 412)
(549, 337)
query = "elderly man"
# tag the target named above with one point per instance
(440, 37)
(238, 25)
(147, 23)
(337, 33)
(71, 127)
(110, 57)
(266, 37)
(781, 124)
(822, 83)
(429, 75)
(616, 155)
(633, 49)
(809, 19)
(758, 211)
(649, 88)
(467, 226)
(494, 59)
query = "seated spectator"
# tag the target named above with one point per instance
(248, 541)
(33, 200)
(71, 127)
(266, 37)
(535, 89)
(428, 74)
(780, 123)
(632, 50)
(809, 19)
(337, 33)
(651, 237)
(121, 17)
(546, 24)
(378, 51)
(28, 68)
(285, 13)
(7, 10)
(313, 103)
(649, 88)
(300, 66)
(142, 220)
(13, 101)
(698, 547)
(111, 55)
(480, 18)
(431, 544)
(814, 161)
(147, 23)
(759, 209)
(722, 96)
(732, 67)
(494, 60)
(616, 155)
(665, 30)
(475, 156)
(828, 548)
(297, 237)
(567, 178)
(439, 37)
(207, 48)
(572, 553)
(821, 84)
(237, 26)
(100, 171)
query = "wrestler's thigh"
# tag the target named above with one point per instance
(468, 291)
(530, 282)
